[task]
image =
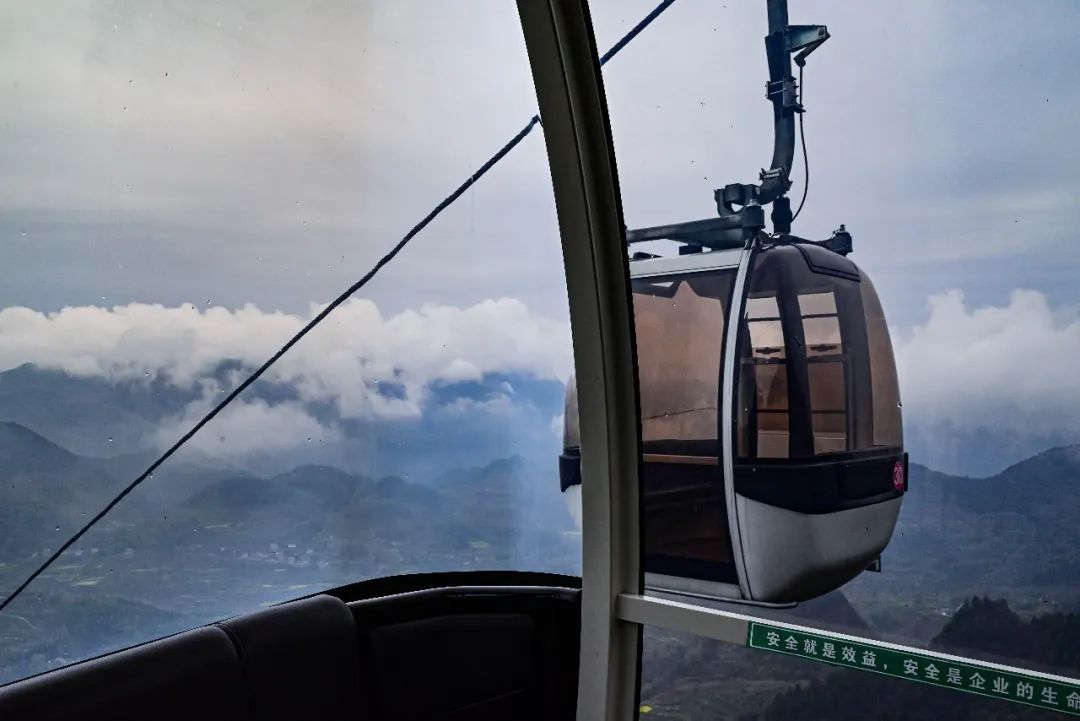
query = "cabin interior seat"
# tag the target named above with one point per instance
(438, 655)
(470, 653)
(293, 661)
(299, 660)
(193, 675)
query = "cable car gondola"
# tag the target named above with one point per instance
(773, 462)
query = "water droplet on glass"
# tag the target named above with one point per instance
(110, 439)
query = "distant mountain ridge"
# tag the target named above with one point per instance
(462, 423)
(1007, 529)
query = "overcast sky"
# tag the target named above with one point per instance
(224, 154)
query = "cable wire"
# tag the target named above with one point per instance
(634, 31)
(805, 158)
(334, 304)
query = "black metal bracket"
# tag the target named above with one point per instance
(839, 242)
(805, 38)
(739, 205)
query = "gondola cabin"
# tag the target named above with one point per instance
(773, 462)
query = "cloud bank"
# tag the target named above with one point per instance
(367, 366)
(1005, 372)
(1010, 369)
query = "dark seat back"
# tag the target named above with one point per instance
(299, 660)
(479, 653)
(444, 654)
(194, 675)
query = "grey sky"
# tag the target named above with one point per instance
(270, 152)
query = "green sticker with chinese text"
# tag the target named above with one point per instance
(967, 676)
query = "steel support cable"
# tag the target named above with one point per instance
(330, 307)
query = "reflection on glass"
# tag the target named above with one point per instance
(822, 335)
(830, 339)
(817, 304)
(762, 308)
(680, 329)
(767, 339)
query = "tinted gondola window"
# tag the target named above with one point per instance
(680, 322)
(888, 429)
(816, 366)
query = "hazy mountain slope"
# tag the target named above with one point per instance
(1014, 529)
(981, 628)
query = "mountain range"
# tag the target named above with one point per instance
(470, 484)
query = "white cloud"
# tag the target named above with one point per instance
(499, 405)
(557, 425)
(1010, 368)
(343, 361)
(249, 427)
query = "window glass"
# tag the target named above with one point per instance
(762, 308)
(822, 335)
(833, 359)
(972, 297)
(888, 430)
(680, 323)
(813, 304)
(767, 339)
(185, 187)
